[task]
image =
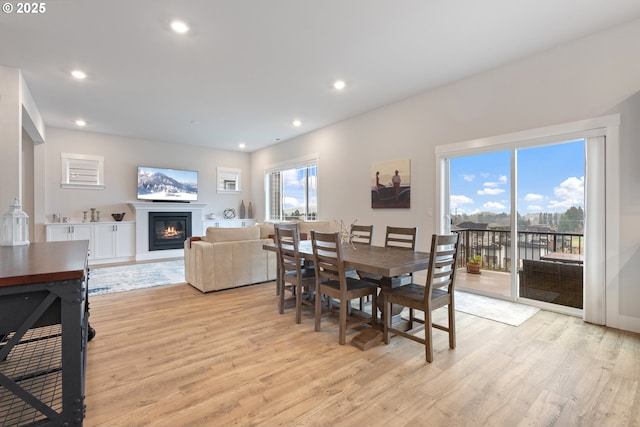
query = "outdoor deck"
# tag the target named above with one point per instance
(488, 281)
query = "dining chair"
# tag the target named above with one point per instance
(292, 277)
(332, 282)
(438, 292)
(401, 237)
(363, 234)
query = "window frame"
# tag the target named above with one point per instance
(299, 163)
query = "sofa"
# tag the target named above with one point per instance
(230, 257)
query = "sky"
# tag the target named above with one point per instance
(294, 189)
(550, 179)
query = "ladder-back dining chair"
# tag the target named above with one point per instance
(293, 278)
(363, 234)
(401, 237)
(438, 292)
(332, 282)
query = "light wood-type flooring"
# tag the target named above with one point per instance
(172, 356)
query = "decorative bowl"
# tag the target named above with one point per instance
(118, 216)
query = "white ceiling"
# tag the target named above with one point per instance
(248, 68)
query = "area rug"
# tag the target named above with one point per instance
(104, 280)
(511, 313)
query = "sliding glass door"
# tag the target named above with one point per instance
(480, 206)
(520, 213)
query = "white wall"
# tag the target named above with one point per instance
(121, 158)
(583, 79)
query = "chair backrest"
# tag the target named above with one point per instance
(287, 238)
(286, 226)
(401, 237)
(327, 257)
(442, 263)
(362, 234)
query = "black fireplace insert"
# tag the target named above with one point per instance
(168, 230)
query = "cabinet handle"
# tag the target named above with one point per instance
(115, 227)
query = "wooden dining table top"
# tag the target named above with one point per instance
(383, 261)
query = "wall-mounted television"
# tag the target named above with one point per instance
(167, 185)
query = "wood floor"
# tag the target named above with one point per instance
(171, 356)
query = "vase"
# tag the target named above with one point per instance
(241, 211)
(250, 211)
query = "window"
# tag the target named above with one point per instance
(81, 171)
(292, 191)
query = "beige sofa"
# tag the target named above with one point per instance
(231, 257)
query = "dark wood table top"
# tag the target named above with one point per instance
(388, 262)
(563, 257)
(43, 262)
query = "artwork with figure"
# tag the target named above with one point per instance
(391, 184)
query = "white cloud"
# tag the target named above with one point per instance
(531, 197)
(502, 179)
(534, 208)
(493, 205)
(457, 200)
(491, 184)
(468, 178)
(569, 193)
(487, 191)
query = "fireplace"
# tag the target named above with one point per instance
(168, 230)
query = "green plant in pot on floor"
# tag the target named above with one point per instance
(473, 264)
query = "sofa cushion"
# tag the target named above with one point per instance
(216, 234)
(321, 226)
(266, 230)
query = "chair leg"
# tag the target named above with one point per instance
(298, 303)
(318, 308)
(374, 308)
(386, 319)
(411, 317)
(343, 321)
(428, 332)
(452, 327)
(281, 293)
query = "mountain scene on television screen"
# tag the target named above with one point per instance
(157, 185)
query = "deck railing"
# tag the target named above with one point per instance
(494, 246)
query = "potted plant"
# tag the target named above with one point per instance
(473, 264)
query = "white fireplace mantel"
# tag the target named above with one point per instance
(142, 210)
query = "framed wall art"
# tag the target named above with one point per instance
(391, 184)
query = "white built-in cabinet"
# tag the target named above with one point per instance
(114, 240)
(108, 241)
(226, 223)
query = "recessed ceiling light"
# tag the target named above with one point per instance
(179, 27)
(339, 84)
(81, 122)
(79, 74)
(297, 123)
(242, 145)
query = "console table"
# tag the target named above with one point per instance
(43, 333)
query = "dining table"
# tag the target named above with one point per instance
(391, 263)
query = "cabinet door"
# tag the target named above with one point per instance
(58, 232)
(81, 232)
(125, 240)
(104, 245)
